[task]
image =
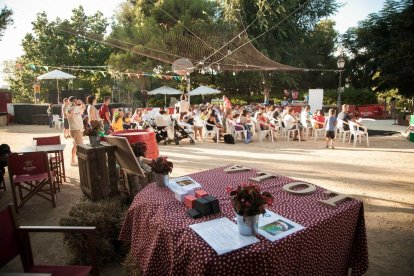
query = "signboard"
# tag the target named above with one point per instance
(315, 99)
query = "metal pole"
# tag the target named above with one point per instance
(338, 102)
(188, 88)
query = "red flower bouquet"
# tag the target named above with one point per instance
(248, 200)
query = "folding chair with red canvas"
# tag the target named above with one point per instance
(15, 240)
(55, 159)
(30, 173)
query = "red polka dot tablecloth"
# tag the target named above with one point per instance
(333, 241)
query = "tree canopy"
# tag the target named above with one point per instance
(49, 46)
(381, 49)
(5, 19)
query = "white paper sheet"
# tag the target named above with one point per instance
(222, 235)
(186, 183)
(274, 227)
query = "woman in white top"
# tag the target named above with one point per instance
(92, 111)
(291, 123)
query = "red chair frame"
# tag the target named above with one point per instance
(15, 240)
(30, 172)
(56, 161)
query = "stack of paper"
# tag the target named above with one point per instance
(222, 235)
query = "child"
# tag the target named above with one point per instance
(330, 124)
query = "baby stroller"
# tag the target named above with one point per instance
(161, 126)
(181, 133)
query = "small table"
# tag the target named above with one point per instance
(56, 149)
(334, 239)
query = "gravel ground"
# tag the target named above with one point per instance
(381, 176)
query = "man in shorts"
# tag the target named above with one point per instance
(74, 114)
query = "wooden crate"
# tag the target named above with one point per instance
(97, 171)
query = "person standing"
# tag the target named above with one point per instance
(74, 113)
(92, 111)
(65, 105)
(105, 114)
(50, 114)
(36, 90)
(184, 105)
(330, 126)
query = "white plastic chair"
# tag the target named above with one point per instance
(357, 134)
(213, 132)
(262, 133)
(57, 121)
(287, 132)
(317, 132)
(304, 123)
(240, 131)
(342, 133)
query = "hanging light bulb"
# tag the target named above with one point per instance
(202, 71)
(234, 73)
(229, 52)
(218, 67)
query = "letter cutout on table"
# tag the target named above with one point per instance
(310, 189)
(331, 202)
(237, 168)
(262, 176)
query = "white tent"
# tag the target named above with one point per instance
(204, 90)
(56, 75)
(165, 90)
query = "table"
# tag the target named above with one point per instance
(334, 239)
(55, 149)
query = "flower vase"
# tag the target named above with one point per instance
(162, 179)
(94, 141)
(248, 226)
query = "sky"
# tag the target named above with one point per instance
(25, 12)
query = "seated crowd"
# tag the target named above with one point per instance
(203, 118)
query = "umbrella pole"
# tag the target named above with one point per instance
(57, 86)
(165, 100)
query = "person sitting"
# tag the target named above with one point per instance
(291, 123)
(319, 119)
(263, 121)
(212, 121)
(128, 124)
(137, 117)
(117, 121)
(305, 116)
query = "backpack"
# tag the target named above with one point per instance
(228, 139)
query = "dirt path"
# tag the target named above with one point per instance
(382, 176)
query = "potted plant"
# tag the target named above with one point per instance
(248, 203)
(161, 167)
(94, 131)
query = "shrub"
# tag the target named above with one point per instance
(107, 216)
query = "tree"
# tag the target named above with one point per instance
(381, 54)
(50, 45)
(143, 22)
(5, 19)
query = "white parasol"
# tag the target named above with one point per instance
(56, 75)
(165, 90)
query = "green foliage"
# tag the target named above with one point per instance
(351, 95)
(49, 45)
(5, 19)
(381, 49)
(301, 40)
(107, 216)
